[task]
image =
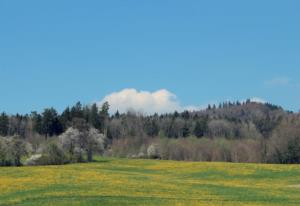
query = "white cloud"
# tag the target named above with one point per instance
(278, 81)
(258, 100)
(161, 101)
(254, 99)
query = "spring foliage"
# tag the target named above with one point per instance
(233, 132)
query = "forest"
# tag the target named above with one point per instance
(229, 132)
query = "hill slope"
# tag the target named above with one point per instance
(151, 182)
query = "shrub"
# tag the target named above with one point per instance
(51, 154)
(54, 155)
(12, 149)
(3, 152)
(153, 152)
(35, 159)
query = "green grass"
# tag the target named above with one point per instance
(150, 182)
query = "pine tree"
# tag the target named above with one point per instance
(185, 130)
(200, 128)
(94, 118)
(3, 124)
(50, 123)
(37, 122)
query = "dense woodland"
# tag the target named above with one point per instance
(232, 132)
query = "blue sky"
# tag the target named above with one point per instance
(54, 53)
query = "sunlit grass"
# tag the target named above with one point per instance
(150, 182)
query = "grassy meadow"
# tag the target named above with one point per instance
(150, 182)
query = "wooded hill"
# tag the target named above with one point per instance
(231, 131)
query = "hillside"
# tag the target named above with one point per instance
(149, 182)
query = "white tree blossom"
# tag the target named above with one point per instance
(77, 142)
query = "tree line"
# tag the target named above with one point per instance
(231, 131)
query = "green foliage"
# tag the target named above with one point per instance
(53, 154)
(12, 149)
(254, 132)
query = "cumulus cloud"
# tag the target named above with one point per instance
(161, 101)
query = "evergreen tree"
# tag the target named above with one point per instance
(65, 118)
(185, 115)
(37, 122)
(50, 123)
(104, 115)
(94, 118)
(77, 111)
(3, 124)
(152, 129)
(117, 114)
(200, 128)
(185, 130)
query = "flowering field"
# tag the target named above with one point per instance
(149, 182)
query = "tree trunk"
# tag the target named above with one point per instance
(90, 155)
(18, 161)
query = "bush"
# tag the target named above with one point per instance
(34, 160)
(4, 153)
(153, 152)
(52, 154)
(127, 147)
(12, 149)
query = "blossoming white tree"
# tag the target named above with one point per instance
(76, 143)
